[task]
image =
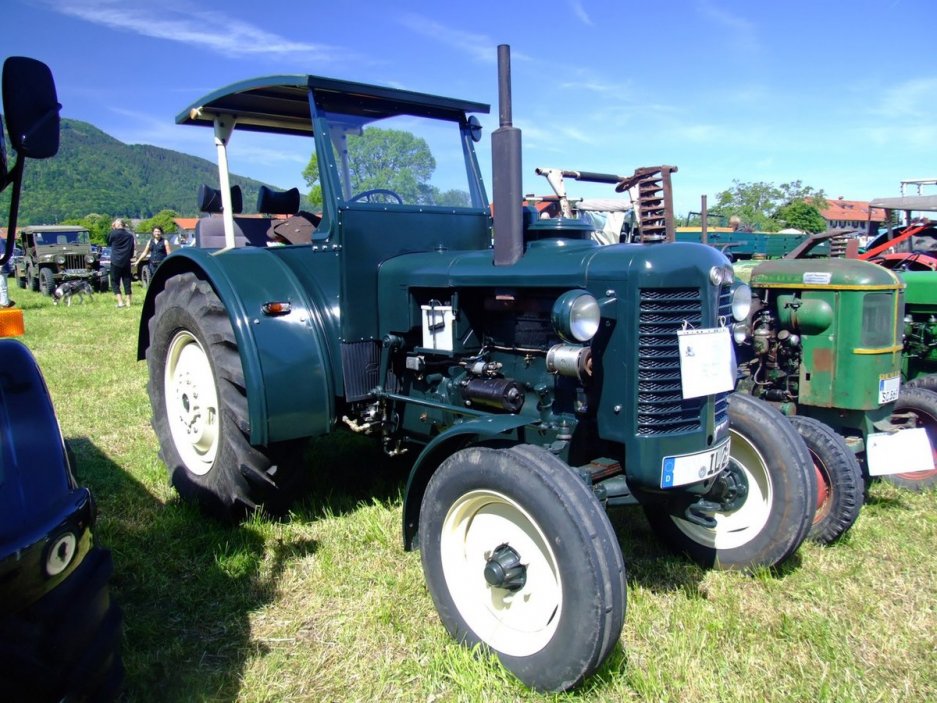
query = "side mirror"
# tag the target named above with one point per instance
(475, 128)
(31, 108)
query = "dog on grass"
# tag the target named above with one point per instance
(71, 289)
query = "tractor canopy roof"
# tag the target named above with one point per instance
(280, 104)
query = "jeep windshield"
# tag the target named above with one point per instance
(78, 237)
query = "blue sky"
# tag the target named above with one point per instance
(838, 94)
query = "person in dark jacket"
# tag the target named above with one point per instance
(157, 248)
(122, 244)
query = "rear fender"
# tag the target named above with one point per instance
(287, 369)
(480, 430)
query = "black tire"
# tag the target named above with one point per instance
(840, 484)
(66, 646)
(916, 407)
(145, 276)
(210, 463)
(46, 281)
(21, 282)
(766, 526)
(928, 382)
(573, 605)
(34, 283)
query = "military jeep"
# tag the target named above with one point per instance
(53, 254)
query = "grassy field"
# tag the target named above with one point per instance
(328, 607)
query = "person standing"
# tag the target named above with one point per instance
(157, 248)
(122, 244)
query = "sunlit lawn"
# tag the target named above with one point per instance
(328, 607)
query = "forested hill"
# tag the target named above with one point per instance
(95, 173)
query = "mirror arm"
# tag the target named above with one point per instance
(16, 178)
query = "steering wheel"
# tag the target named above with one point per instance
(366, 195)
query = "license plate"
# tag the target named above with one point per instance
(692, 468)
(888, 388)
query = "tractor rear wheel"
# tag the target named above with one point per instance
(768, 495)
(200, 416)
(917, 407)
(840, 485)
(520, 557)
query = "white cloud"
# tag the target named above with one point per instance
(477, 46)
(580, 12)
(743, 30)
(211, 30)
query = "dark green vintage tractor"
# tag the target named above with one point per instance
(535, 381)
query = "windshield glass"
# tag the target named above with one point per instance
(400, 160)
(73, 237)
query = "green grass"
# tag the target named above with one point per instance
(328, 607)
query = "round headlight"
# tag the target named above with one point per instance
(60, 259)
(721, 275)
(576, 316)
(90, 258)
(741, 302)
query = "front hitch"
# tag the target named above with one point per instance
(728, 493)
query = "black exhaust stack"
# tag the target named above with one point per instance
(506, 172)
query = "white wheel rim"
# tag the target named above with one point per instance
(518, 623)
(738, 527)
(191, 403)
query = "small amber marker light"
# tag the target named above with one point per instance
(11, 322)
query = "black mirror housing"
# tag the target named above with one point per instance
(31, 108)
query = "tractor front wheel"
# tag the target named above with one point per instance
(200, 416)
(840, 485)
(767, 496)
(520, 557)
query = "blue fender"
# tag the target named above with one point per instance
(289, 371)
(40, 500)
(436, 452)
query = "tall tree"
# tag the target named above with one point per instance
(799, 214)
(758, 204)
(164, 219)
(98, 226)
(383, 158)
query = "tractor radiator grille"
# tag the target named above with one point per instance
(661, 406)
(361, 366)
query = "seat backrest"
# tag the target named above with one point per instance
(248, 231)
(271, 202)
(209, 199)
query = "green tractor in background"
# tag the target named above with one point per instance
(911, 252)
(824, 345)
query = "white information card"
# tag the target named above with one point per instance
(707, 362)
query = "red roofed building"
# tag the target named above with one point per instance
(852, 214)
